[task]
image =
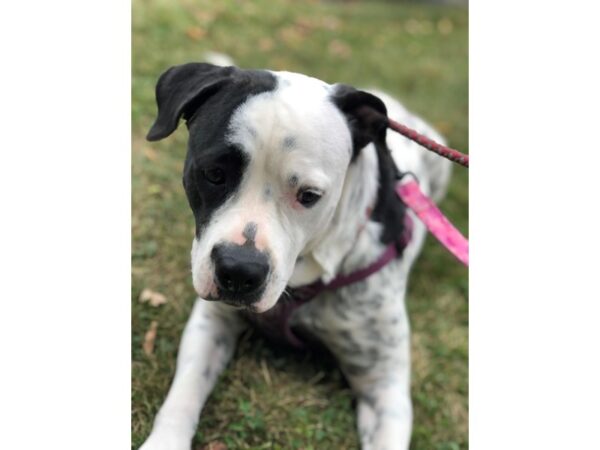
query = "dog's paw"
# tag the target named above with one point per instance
(166, 441)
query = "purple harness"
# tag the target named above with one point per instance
(275, 323)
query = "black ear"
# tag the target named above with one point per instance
(181, 90)
(366, 115)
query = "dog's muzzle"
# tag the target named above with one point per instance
(240, 273)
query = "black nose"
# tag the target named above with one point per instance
(240, 271)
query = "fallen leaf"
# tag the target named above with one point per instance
(330, 22)
(150, 153)
(412, 26)
(265, 44)
(306, 22)
(205, 17)
(291, 35)
(339, 48)
(195, 33)
(445, 26)
(149, 338)
(443, 127)
(214, 445)
(152, 297)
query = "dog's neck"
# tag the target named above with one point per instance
(352, 240)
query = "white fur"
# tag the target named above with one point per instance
(299, 110)
(206, 346)
(365, 325)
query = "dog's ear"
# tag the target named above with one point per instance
(366, 115)
(183, 89)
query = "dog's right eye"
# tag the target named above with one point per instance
(308, 197)
(214, 176)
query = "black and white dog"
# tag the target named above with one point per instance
(291, 180)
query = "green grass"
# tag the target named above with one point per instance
(270, 398)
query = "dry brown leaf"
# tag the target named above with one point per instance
(445, 26)
(150, 153)
(291, 35)
(149, 338)
(265, 44)
(339, 48)
(214, 445)
(443, 127)
(205, 17)
(330, 22)
(195, 33)
(152, 297)
(306, 22)
(412, 26)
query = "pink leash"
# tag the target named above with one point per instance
(434, 220)
(423, 206)
(276, 321)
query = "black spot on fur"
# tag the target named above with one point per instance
(251, 131)
(293, 181)
(268, 192)
(355, 369)
(221, 341)
(250, 231)
(289, 143)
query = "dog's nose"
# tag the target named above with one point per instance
(240, 271)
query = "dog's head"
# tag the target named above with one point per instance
(267, 158)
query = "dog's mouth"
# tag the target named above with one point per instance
(241, 306)
(238, 303)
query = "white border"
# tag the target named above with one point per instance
(534, 223)
(65, 224)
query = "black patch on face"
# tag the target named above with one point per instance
(206, 96)
(203, 196)
(367, 119)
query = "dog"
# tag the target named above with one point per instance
(291, 183)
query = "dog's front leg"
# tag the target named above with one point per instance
(382, 387)
(369, 335)
(385, 416)
(207, 345)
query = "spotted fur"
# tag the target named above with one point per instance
(273, 134)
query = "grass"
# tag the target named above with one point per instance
(268, 397)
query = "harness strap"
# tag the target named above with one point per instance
(434, 220)
(276, 321)
(308, 292)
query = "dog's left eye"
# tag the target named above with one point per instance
(214, 176)
(308, 197)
